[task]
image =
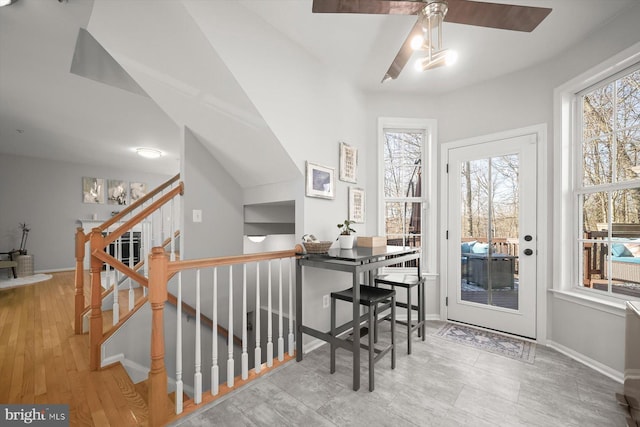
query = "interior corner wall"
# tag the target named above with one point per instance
(210, 189)
(47, 195)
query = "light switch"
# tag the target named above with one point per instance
(197, 215)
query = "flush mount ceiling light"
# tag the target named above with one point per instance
(148, 153)
(7, 2)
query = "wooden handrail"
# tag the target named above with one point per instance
(176, 266)
(123, 268)
(118, 232)
(118, 217)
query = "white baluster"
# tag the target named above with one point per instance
(269, 322)
(173, 240)
(179, 384)
(280, 332)
(258, 351)
(230, 365)
(215, 374)
(291, 346)
(132, 297)
(245, 356)
(116, 303)
(197, 377)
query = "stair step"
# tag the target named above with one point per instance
(129, 401)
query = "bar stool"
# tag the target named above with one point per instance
(377, 300)
(408, 282)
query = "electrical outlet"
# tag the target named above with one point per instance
(325, 301)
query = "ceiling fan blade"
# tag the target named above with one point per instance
(495, 15)
(403, 55)
(384, 7)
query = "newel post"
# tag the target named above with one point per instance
(95, 318)
(159, 403)
(79, 280)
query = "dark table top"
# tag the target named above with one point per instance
(361, 254)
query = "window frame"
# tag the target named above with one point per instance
(428, 260)
(568, 172)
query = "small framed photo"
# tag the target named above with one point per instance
(348, 163)
(320, 181)
(117, 192)
(356, 204)
(92, 190)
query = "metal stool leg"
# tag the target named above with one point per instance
(393, 332)
(332, 367)
(409, 321)
(372, 324)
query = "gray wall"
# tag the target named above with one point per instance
(47, 195)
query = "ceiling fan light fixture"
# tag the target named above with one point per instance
(417, 42)
(437, 59)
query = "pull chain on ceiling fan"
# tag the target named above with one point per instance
(431, 15)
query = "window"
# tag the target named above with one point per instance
(405, 173)
(607, 185)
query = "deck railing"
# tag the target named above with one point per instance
(259, 279)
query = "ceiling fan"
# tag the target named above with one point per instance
(431, 14)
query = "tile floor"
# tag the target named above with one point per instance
(441, 384)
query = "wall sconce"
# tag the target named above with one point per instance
(256, 239)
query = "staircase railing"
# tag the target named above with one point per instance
(118, 249)
(201, 279)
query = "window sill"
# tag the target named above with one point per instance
(606, 304)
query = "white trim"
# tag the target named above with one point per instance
(429, 261)
(564, 228)
(542, 268)
(593, 364)
(588, 299)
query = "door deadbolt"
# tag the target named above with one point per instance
(528, 251)
(528, 238)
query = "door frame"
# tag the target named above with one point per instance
(542, 213)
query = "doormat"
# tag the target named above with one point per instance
(503, 345)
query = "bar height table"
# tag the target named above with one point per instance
(354, 261)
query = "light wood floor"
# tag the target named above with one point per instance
(43, 361)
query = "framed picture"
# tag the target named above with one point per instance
(92, 190)
(320, 181)
(117, 192)
(348, 163)
(356, 204)
(137, 190)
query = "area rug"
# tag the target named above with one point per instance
(503, 345)
(21, 281)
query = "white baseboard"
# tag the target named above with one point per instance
(593, 364)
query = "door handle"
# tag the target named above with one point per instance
(528, 252)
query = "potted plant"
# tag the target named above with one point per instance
(345, 238)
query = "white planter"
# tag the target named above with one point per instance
(346, 242)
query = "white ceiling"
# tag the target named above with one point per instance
(45, 111)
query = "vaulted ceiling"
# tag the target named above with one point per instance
(47, 111)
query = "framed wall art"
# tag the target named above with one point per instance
(356, 204)
(117, 192)
(137, 190)
(348, 163)
(92, 190)
(320, 181)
